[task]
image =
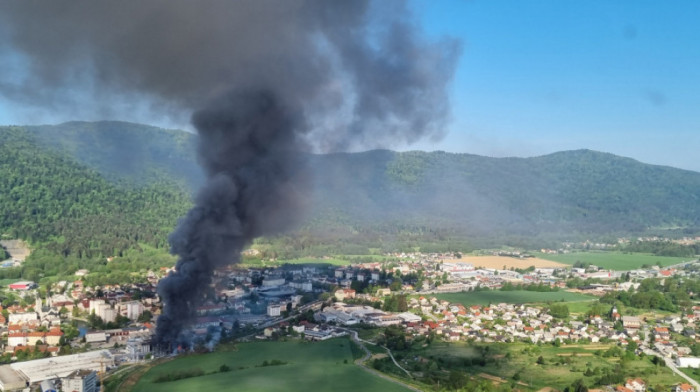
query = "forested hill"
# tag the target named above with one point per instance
(121, 150)
(89, 189)
(50, 199)
(563, 193)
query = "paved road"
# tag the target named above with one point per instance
(368, 354)
(672, 366)
(669, 362)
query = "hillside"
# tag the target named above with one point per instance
(576, 191)
(56, 203)
(141, 153)
(99, 188)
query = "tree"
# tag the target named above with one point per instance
(579, 386)
(540, 360)
(559, 310)
(401, 305)
(145, 317)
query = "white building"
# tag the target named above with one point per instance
(274, 310)
(103, 310)
(132, 309)
(107, 313)
(94, 303)
(409, 317)
(456, 267)
(137, 349)
(683, 362)
(273, 281)
(39, 370)
(80, 381)
(19, 318)
(301, 285)
(96, 337)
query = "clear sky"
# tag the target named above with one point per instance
(542, 76)
(539, 76)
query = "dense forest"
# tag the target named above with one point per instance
(92, 190)
(69, 209)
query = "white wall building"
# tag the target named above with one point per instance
(96, 337)
(94, 303)
(80, 381)
(271, 281)
(132, 309)
(18, 318)
(274, 310)
(692, 362)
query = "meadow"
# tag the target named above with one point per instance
(326, 365)
(252, 263)
(617, 261)
(558, 367)
(513, 297)
(338, 260)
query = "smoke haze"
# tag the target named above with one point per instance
(266, 80)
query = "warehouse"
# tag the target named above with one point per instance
(50, 368)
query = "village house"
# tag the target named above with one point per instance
(683, 387)
(631, 322)
(636, 384)
(342, 294)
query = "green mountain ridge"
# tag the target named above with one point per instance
(70, 209)
(95, 188)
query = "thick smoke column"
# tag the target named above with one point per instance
(249, 150)
(268, 80)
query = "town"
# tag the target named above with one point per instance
(69, 333)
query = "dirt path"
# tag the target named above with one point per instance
(498, 379)
(361, 362)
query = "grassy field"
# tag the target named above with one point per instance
(324, 365)
(614, 260)
(692, 373)
(8, 282)
(514, 297)
(579, 307)
(560, 366)
(304, 260)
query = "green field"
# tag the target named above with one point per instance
(304, 260)
(614, 260)
(324, 365)
(579, 307)
(560, 366)
(513, 297)
(692, 373)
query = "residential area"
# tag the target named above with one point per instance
(67, 320)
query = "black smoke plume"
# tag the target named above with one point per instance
(250, 151)
(267, 80)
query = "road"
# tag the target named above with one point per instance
(646, 346)
(361, 362)
(671, 365)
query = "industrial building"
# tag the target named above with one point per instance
(20, 374)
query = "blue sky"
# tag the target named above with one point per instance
(542, 76)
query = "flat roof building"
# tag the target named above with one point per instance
(36, 371)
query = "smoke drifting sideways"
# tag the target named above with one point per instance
(267, 81)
